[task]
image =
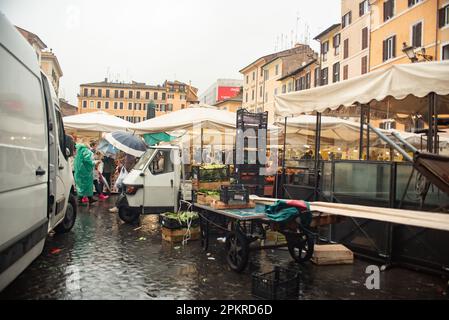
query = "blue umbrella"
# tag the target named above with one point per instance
(107, 149)
(127, 142)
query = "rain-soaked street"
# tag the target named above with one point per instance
(103, 258)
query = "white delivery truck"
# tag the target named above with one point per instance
(154, 185)
(35, 175)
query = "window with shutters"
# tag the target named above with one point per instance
(147, 95)
(254, 75)
(389, 48)
(276, 70)
(417, 35)
(121, 105)
(98, 104)
(364, 38)
(346, 19)
(122, 94)
(411, 3)
(115, 93)
(336, 72)
(130, 106)
(324, 78)
(324, 50)
(308, 80)
(316, 76)
(445, 52)
(130, 94)
(364, 65)
(115, 105)
(345, 72)
(346, 49)
(252, 95)
(284, 88)
(99, 93)
(155, 96)
(260, 92)
(92, 92)
(443, 16)
(106, 105)
(138, 95)
(363, 7)
(388, 9)
(84, 104)
(107, 93)
(86, 92)
(336, 44)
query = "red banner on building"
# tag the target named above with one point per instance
(227, 93)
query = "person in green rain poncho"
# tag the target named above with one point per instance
(84, 164)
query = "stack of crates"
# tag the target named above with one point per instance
(246, 172)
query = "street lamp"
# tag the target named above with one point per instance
(413, 56)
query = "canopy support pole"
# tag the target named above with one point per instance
(368, 111)
(202, 146)
(435, 124)
(283, 160)
(362, 121)
(317, 153)
(430, 116)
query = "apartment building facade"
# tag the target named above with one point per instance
(307, 76)
(330, 53)
(398, 24)
(260, 78)
(130, 101)
(355, 38)
(47, 59)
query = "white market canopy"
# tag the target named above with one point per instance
(99, 121)
(401, 88)
(187, 119)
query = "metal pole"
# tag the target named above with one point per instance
(391, 143)
(201, 146)
(283, 158)
(435, 124)
(317, 152)
(362, 120)
(367, 131)
(430, 120)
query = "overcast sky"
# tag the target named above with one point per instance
(151, 41)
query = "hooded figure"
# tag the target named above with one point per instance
(84, 165)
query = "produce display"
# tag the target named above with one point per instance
(173, 220)
(211, 173)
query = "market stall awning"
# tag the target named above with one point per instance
(397, 87)
(96, 121)
(187, 119)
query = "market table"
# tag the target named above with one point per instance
(245, 226)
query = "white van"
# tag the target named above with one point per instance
(35, 176)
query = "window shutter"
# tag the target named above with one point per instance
(350, 17)
(364, 38)
(343, 22)
(441, 21)
(361, 8)
(394, 46)
(346, 49)
(384, 50)
(385, 11)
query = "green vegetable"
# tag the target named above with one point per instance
(182, 217)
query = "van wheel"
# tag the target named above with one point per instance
(128, 215)
(69, 218)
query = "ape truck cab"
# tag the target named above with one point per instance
(154, 185)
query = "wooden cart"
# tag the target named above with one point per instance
(243, 227)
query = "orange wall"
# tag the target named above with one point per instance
(400, 25)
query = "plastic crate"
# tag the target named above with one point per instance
(234, 194)
(175, 224)
(278, 284)
(246, 119)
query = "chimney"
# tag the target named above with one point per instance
(106, 80)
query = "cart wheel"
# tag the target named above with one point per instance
(128, 215)
(237, 251)
(301, 247)
(204, 233)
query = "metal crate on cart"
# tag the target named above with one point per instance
(246, 170)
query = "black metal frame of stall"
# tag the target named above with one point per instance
(241, 232)
(391, 244)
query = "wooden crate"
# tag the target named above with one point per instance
(198, 185)
(177, 235)
(328, 254)
(202, 198)
(221, 205)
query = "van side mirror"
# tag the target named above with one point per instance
(67, 152)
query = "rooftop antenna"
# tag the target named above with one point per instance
(297, 26)
(291, 38)
(282, 41)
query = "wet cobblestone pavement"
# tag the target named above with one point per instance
(103, 258)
